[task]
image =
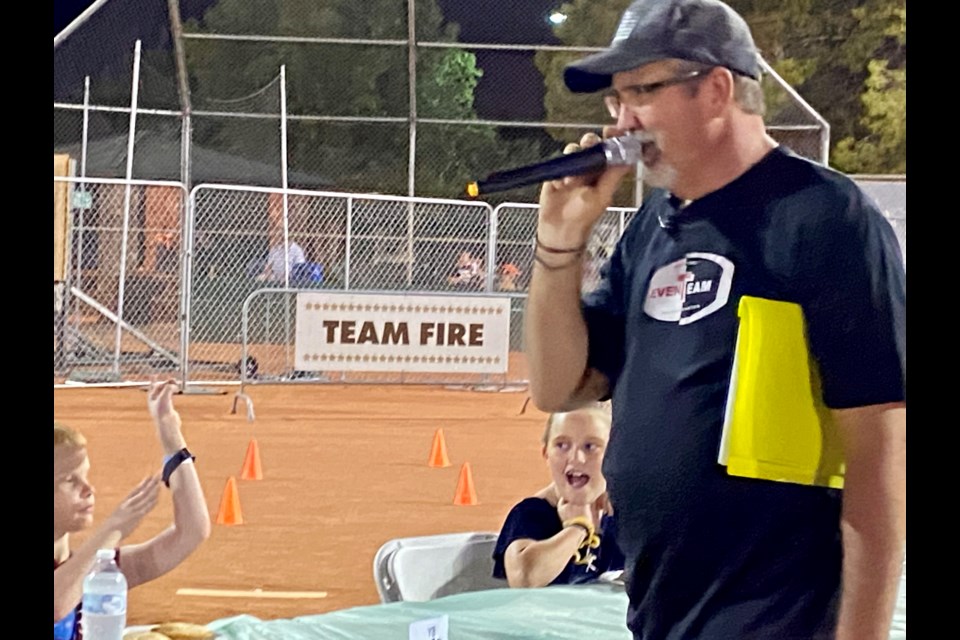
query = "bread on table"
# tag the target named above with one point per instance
(184, 631)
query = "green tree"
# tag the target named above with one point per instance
(816, 46)
(858, 45)
(343, 79)
(884, 148)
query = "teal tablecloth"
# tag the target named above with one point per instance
(596, 611)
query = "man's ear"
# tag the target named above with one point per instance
(718, 88)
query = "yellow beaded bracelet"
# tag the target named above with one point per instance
(583, 523)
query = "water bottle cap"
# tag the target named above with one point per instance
(105, 554)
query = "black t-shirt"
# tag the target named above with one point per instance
(715, 556)
(537, 519)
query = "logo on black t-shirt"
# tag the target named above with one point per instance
(689, 289)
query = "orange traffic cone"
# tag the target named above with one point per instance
(466, 494)
(230, 505)
(438, 452)
(251, 463)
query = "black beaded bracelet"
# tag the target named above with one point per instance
(540, 245)
(175, 461)
(556, 267)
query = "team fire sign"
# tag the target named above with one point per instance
(368, 332)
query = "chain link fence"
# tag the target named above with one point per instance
(335, 103)
(294, 94)
(360, 242)
(116, 314)
(151, 287)
(188, 292)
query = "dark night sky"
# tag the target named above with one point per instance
(66, 10)
(480, 20)
(511, 87)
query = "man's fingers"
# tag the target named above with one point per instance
(573, 147)
(610, 179)
(610, 131)
(589, 139)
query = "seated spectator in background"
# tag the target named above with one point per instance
(565, 533)
(508, 274)
(306, 274)
(273, 269)
(467, 272)
(205, 255)
(167, 253)
(73, 502)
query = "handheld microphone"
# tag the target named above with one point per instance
(622, 150)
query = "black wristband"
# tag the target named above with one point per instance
(556, 267)
(539, 245)
(175, 461)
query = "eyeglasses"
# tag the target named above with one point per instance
(640, 93)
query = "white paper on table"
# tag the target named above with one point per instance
(430, 629)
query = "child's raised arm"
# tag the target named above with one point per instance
(191, 520)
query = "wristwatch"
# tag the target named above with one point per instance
(175, 461)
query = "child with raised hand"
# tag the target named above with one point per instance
(565, 533)
(73, 504)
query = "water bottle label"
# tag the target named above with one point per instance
(105, 604)
(99, 626)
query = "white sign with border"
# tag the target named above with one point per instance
(416, 333)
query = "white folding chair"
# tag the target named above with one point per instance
(426, 567)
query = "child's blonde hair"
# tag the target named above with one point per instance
(600, 409)
(64, 435)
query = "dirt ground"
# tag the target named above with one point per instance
(344, 470)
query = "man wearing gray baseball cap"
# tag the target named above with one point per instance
(729, 213)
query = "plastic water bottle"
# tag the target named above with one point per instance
(104, 610)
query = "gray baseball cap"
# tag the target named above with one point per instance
(706, 31)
